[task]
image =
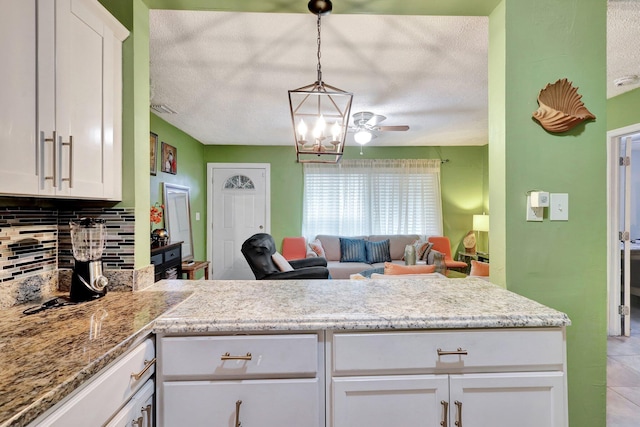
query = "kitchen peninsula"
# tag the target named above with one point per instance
(347, 353)
(258, 350)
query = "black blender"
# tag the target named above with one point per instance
(88, 237)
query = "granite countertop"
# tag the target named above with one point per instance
(45, 356)
(224, 306)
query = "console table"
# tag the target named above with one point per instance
(167, 261)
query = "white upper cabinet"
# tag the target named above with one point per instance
(60, 124)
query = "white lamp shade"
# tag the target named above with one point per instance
(362, 137)
(481, 222)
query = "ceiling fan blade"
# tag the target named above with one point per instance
(375, 119)
(387, 128)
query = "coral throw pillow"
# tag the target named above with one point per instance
(479, 268)
(281, 262)
(395, 269)
(316, 246)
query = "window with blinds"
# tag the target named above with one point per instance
(362, 197)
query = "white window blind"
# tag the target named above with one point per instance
(362, 197)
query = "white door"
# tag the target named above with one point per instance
(524, 399)
(623, 228)
(238, 209)
(378, 401)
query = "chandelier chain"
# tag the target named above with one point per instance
(319, 54)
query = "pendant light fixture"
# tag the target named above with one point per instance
(319, 112)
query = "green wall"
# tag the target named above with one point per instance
(560, 264)
(623, 110)
(463, 181)
(191, 172)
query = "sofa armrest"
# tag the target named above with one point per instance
(308, 262)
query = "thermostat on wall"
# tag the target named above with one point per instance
(539, 199)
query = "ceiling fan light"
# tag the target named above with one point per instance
(362, 136)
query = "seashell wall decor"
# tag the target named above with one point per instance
(560, 107)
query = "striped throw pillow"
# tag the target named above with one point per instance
(378, 251)
(352, 250)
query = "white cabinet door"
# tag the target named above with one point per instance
(524, 399)
(84, 104)
(18, 144)
(264, 403)
(405, 400)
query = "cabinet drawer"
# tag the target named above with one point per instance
(266, 356)
(417, 352)
(156, 259)
(284, 402)
(139, 408)
(94, 404)
(172, 255)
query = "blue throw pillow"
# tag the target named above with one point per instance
(378, 251)
(352, 250)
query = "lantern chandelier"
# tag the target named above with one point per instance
(319, 112)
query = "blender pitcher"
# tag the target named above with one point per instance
(88, 238)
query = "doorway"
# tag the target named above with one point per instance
(238, 207)
(624, 227)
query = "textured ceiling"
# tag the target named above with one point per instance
(227, 73)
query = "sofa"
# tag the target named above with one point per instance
(343, 270)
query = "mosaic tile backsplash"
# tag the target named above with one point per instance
(35, 245)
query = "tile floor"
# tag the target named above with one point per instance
(623, 376)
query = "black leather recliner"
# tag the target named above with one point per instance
(258, 249)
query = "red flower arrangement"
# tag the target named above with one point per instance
(156, 213)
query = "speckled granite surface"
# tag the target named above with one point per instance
(351, 305)
(45, 356)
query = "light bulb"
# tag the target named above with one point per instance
(362, 137)
(302, 130)
(335, 131)
(318, 131)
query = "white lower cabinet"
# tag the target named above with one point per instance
(248, 380)
(139, 412)
(440, 378)
(263, 403)
(114, 388)
(471, 400)
(470, 378)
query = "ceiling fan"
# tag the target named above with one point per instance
(366, 124)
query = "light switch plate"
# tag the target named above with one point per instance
(534, 214)
(559, 207)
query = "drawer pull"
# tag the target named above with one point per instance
(138, 422)
(445, 412)
(147, 365)
(238, 403)
(447, 353)
(228, 356)
(146, 410)
(458, 422)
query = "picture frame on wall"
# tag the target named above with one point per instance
(169, 159)
(153, 153)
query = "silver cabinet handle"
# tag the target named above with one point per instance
(459, 351)
(147, 364)
(53, 145)
(228, 356)
(445, 413)
(70, 145)
(238, 423)
(458, 422)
